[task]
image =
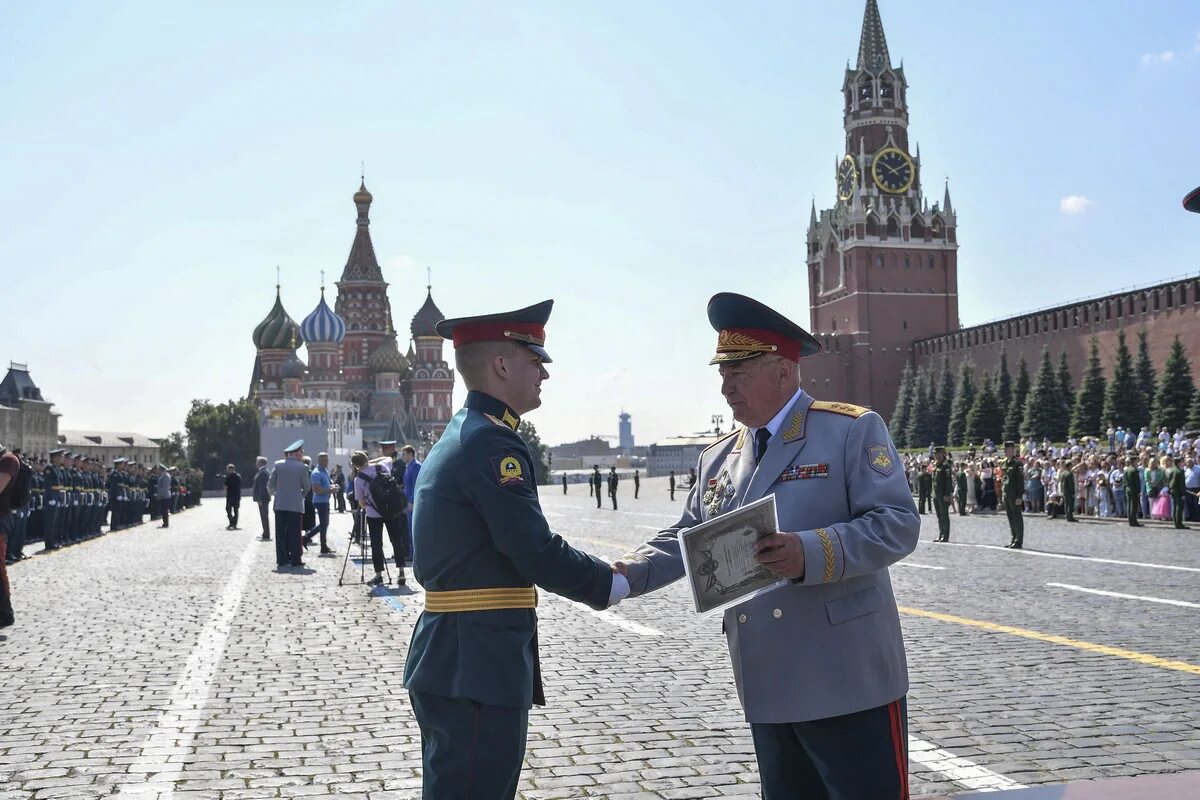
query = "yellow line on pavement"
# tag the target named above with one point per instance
(1091, 647)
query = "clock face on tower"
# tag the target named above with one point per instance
(847, 178)
(893, 170)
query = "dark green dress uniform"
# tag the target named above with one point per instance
(924, 489)
(53, 487)
(1067, 481)
(481, 543)
(1133, 494)
(943, 481)
(1177, 487)
(1012, 487)
(960, 491)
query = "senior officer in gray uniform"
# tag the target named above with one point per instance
(819, 663)
(481, 546)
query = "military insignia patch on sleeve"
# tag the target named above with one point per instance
(880, 459)
(509, 471)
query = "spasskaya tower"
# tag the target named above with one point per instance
(882, 262)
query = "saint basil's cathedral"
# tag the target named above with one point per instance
(354, 355)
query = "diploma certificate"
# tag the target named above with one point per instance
(718, 557)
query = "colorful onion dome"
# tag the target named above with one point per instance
(387, 358)
(427, 316)
(293, 367)
(323, 325)
(278, 331)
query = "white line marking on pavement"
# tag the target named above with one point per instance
(649, 527)
(915, 565)
(629, 625)
(1163, 600)
(160, 760)
(962, 771)
(1044, 554)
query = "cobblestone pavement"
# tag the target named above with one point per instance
(152, 663)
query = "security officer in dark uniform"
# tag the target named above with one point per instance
(482, 544)
(52, 477)
(943, 483)
(924, 488)
(1013, 488)
(37, 502)
(1133, 490)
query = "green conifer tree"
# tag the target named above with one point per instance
(986, 419)
(898, 425)
(1173, 399)
(1016, 406)
(1003, 381)
(945, 402)
(1066, 397)
(1042, 407)
(1124, 402)
(1089, 400)
(919, 412)
(1193, 421)
(1147, 380)
(964, 398)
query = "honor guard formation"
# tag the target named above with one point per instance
(73, 498)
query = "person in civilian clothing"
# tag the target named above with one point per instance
(375, 521)
(411, 470)
(289, 484)
(322, 489)
(233, 496)
(262, 495)
(162, 489)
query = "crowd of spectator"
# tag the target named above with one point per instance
(1098, 465)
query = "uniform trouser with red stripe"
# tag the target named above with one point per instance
(469, 751)
(860, 756)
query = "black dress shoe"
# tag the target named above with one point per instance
(325, 551)
(265, 538)
(298, 564)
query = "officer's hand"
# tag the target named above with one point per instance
(620, 568)
(782, 553)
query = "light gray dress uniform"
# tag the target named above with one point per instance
(830, 643)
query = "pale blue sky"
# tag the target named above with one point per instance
(628, 159)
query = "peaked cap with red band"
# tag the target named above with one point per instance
(747, 329)
(1192, 201)
(525, 326)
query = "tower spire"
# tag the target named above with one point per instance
(946, 201)
(872, 46)
(812, 215)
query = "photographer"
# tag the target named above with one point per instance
(380, 512)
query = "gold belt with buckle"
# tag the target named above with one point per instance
(480, 599)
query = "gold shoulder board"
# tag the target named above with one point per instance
(846, 409)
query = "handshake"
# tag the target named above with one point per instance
(782, 553)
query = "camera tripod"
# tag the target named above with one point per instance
(364, 548)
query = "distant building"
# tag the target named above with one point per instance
(329, 426)
(678, 453)
(625, 434)
(592, 446)
(109, 445)
(27, 420)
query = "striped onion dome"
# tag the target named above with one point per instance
(278, 331)
(387, 358)
(323, 324)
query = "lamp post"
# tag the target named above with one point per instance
(718, 420)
